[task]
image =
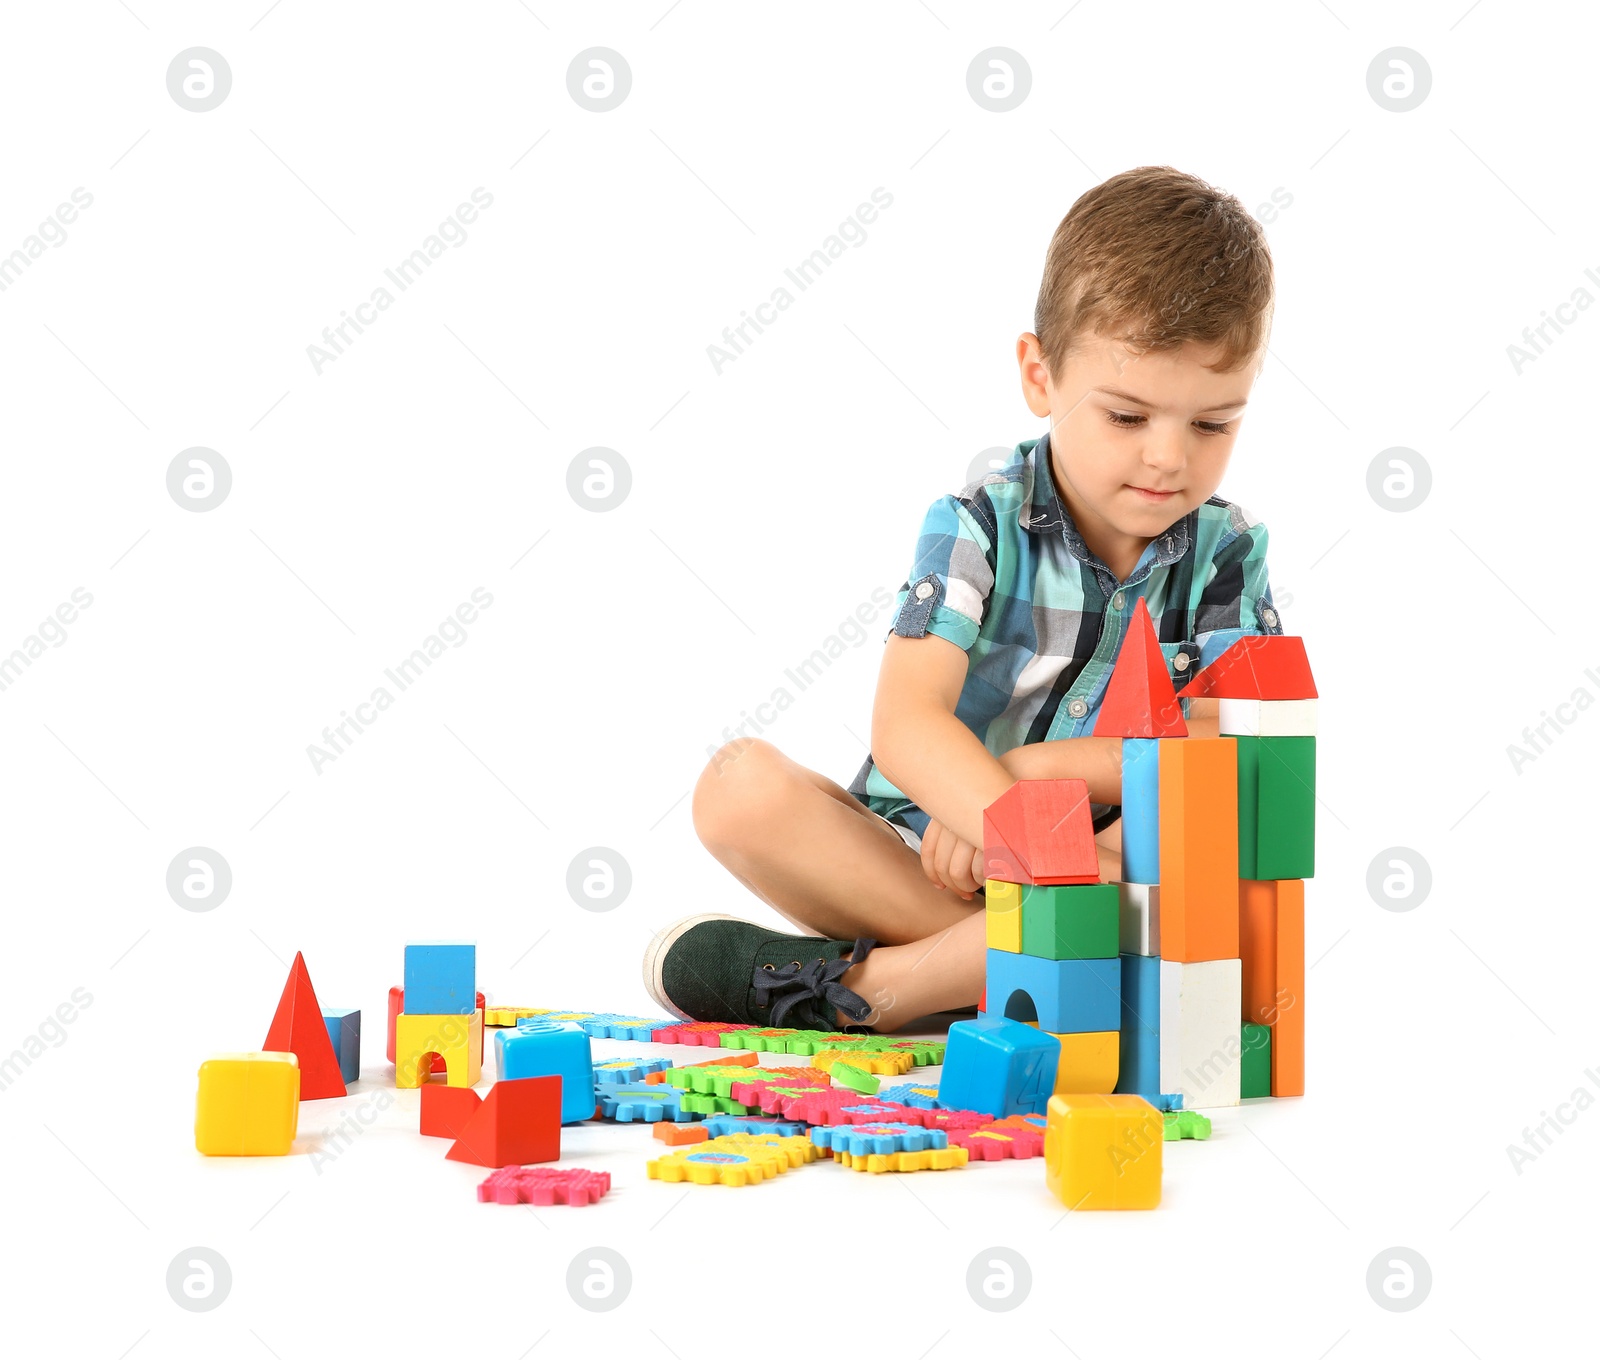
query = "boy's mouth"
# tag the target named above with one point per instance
(1150, 495)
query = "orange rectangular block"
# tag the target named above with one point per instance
(1272, 950)
(1199, 825)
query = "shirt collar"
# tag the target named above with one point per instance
(1043, 511)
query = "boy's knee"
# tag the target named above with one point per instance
(741, 776)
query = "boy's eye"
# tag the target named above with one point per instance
(1123, 420)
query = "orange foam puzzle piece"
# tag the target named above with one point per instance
(298, 1028)
(1139, 700)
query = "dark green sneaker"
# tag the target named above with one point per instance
(714, 967)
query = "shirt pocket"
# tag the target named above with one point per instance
(1183, 660)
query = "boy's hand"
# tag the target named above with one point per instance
(950, 862)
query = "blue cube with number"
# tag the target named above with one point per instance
(999, 1067)
(440, 978)
(552, 1048)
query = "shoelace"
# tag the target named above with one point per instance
(817, 981)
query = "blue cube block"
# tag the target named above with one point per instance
(553, 1049)
(344, 1032)
(1139, 1049)
(440, 978)
(999, 1066)
(1066, 996)
(1141, 797)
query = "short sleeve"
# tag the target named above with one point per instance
(1236, 601)
(951, 576)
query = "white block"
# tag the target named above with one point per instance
(1200, 1049)
(1267, 717)
(1140, 905)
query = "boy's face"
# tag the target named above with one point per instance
(1136, 442)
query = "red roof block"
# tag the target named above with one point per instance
(1139, 699)
(519, 1122)
(298, 1028)
(1257, 667)
(1041, 831)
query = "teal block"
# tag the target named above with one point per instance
(1066, 996)
(1141, 799)
(440, 978)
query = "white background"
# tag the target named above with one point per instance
(767, 504)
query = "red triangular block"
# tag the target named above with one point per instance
(519, 1122)
(1041, 831)
(1257, 667)
(298, 1028)
(447, 1110)
(1139, 699)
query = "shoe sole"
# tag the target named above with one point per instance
(656, 956)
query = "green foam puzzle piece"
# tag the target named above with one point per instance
(845, 1075)
(1178, 1124)
(1070, 920)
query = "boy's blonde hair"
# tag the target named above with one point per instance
(1156, 258)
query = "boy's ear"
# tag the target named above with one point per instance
(1034, 374)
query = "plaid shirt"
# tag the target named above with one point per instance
(1002, 572)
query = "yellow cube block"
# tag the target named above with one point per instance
(455, 1038)
(1103, 1152)
(1002, 915)
(1089, 1063)
(248, 1105)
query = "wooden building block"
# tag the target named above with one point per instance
(1200, 1052)
(1277, 807)
(1089, 1063)
(1070, 921)
(1041, 831)
(458, 1039)
(1272, 945)
(1139, 909)
(248, 1105)
(1103, 1152)
(1141, 811)
(1199, 849)
(1267, 717)
(1002, 908)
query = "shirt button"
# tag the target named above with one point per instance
(1269, 617)
(1181, 661)
(925, 590)
(1077, 707)
(1116, 600)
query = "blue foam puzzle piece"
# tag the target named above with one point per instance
(550, 1049)
(999, 1066)
(1141, 831)
(859, 1140)
(620, 1070)
(637, 1102)
(344, 1032)
(916, 1095)
(1139, 1047)
(1066, 996)
(719, 1124)
(634, 1027)
(440, 978)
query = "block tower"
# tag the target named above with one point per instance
(442, 1015)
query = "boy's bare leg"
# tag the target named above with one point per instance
(816, 856)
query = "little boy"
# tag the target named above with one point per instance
(1150, 328)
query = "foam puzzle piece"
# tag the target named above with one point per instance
(458, 1039)
(1267, 717)
(1139, 1043)
(548, 1048)
(1103, 1152)
(622, 1027)
(718, 1162)
(852, 1078)
(440, 977)
(1041, 831)
(1200, 1004)
(1255, 1061)
(797, 1150)
(998, 1065)
(742, 1059)
(928, 1159)
(720, 1080)
(641, 1102)
(1265, 666)
(702, 1104)
(396, 1006)
(1277, 807)
(519, 1122)
(767, 1040)
(1272, 947)
(248, 1105)
(680, 1135)
(893, 1062)
(832, 1106)
(1139, 910)
(921, 1097)
(706, 1032)
(629, 1069)
(720, 1124)
(1070, 921)
(1199, 849)
(860, 1139)
(544, 1185)
(297, 1027)
(1184, 1124)
(504, 1017)
(1002, 915)
(1063, 995)
(447, 1110)
(996, 1142)
(1141, 810)
(1139, 700)
(344, 1033)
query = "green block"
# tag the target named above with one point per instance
(1277, 806)
(1070, 920)
(844, 1074)
(1255, 1064)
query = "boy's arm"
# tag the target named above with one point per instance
(1096, 759)
(920, 745)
